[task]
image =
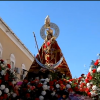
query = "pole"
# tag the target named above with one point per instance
(37, 45)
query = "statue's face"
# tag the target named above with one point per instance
(49, 36)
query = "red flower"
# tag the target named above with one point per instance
(51, 83)
(90, 78)
(76, 89)
(54, 80)
(6, 77)
(36, 98)
(89, 94)
(39, 85)
(10, 83)
(87, 80)
(25, 81)
(8, 65)
(0, 81)
(32, 82)
(96, 63)
(51, 88)
(80, 78)
(32, 87)
(70, 90)
(86, 90)
(60, 82)
(1, 97)
(81, 90)
(94, 70)
(71, 80)
(28, 95)
(5, 96)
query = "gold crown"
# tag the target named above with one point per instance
(50, 31)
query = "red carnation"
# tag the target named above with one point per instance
(76, 89)
(28, 95)
(70, 90)
(86, 90)
(94, 70)
(1, 97)
(51, 83)
(96, 63)
(51, 88)
(89, 94)
(6, 77)
(90, 78)
(25, 81)
(71, 80)
(5, 96)
(32, 82)
(40, 85)
(87, 80)
(8, 65)
(0, 81)
(36, 98)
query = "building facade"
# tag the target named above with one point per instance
(13, 50)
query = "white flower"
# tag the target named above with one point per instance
(45, 83)
(82, 79)
(45, 87)
(41, 98)
(43, 92)
(47, 80)
(2, 87)
(94, 87)
(88, 84)
(3, 72)
(14, 94)
(53, 93)
(42, 79)
(84, 76)
(98, 69)
(57, 85)
(0, 92)
(68, 86)
(5, 62)
(6, 90)
(93, 94)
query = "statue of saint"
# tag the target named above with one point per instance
(50, 52)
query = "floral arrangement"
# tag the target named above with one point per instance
(7, 81)
(86, 87)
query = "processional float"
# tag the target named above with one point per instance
(46, 26)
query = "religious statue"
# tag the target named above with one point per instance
(49, 56)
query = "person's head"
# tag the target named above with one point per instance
(49, 34)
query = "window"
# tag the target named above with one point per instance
(12, 61)
(23, 66)
(1, 50)
(23, 71)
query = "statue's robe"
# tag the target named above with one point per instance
(50, 53)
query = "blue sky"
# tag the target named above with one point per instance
(79, 23)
